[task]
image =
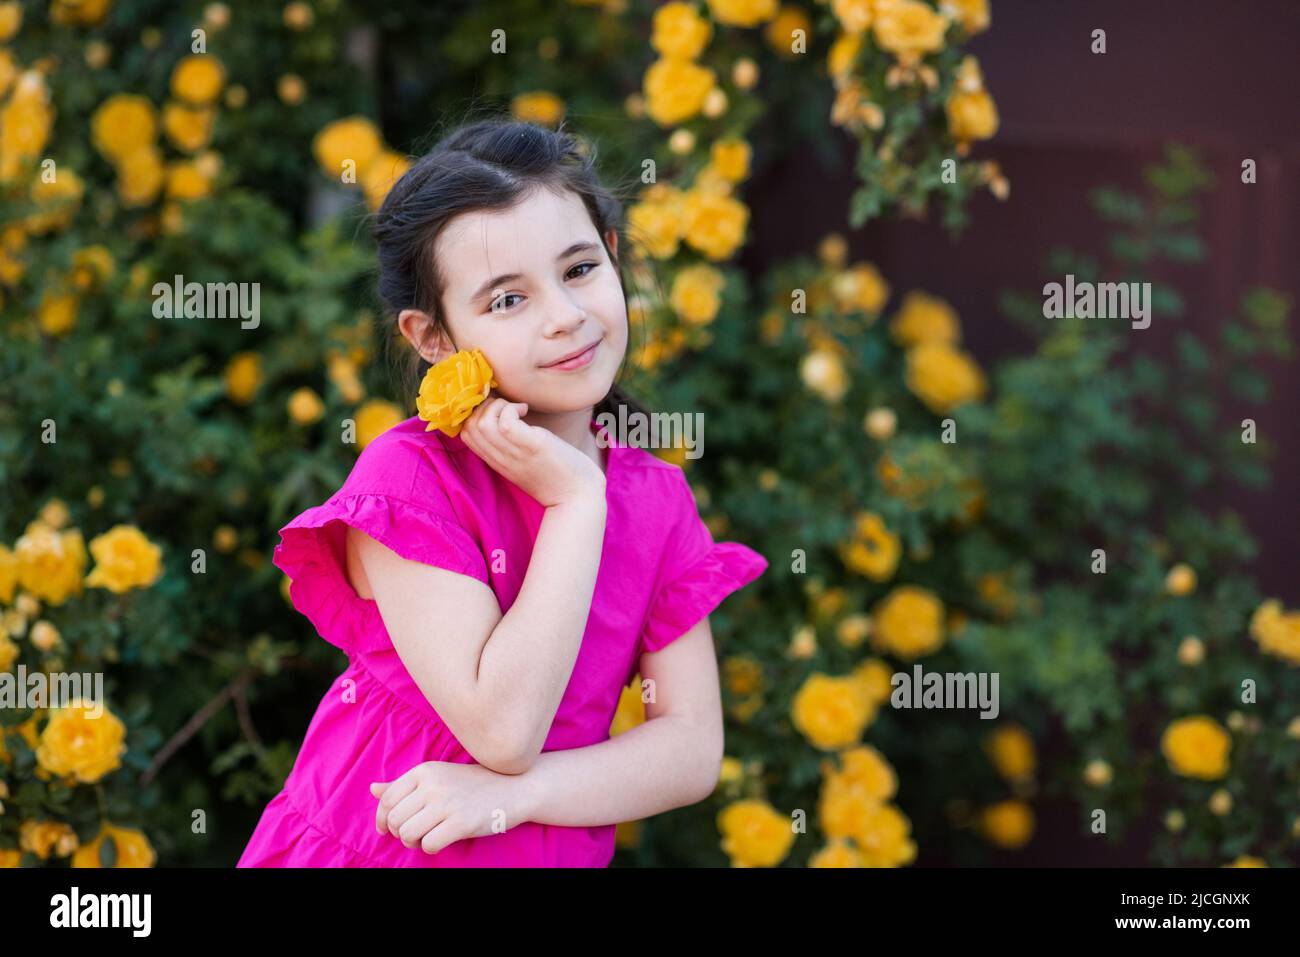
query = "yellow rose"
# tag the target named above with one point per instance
(198, 79)
(972, 116)
(831, 712)
(8, 652)
(865, 769)
(714, 224)
(874, 550)
(973, 15)
(133, 848)
(854, 16)
(909, 29)
(77, 743)
(42, 837)
(675, 90)
(1277, 633)
(779, 33)
(678, 32)
(843, 807)
(140, 176)
(697, 294)
(124, 559)
(884, 837)
(8, 574)
(630, 711)
(875, 677)
(1008, 824)
(184, 181)
(56, 201)
(91, 267)
(352, 138)
(1181, 580)
(1197, 747)
(925, 318)
(243, 374)
(305, 406)
(538, 106)
(839, 852)
(380, 175)
(374, 418)
(57, 313)
(11, 21)
(908, 622)
(823, 372)
(25, 123)
(656, 221)
(943, 377)
(1011, 750)
(452, 388)
(1245, 860)
(754, 834)
(860, 288)
(81, 13)
(122, 124)
(843, 53)
(50, 563)
(188, 128)
(731, 159)
(742, 13)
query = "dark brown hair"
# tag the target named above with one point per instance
(488, 164)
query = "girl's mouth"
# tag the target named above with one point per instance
(577, 362)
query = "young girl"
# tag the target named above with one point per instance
(497, 589)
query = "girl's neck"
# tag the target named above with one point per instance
(574, 428)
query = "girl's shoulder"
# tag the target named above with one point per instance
(409, 463)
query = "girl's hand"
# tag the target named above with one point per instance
(440, 802)
(537, 460)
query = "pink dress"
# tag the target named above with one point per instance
(431, 499)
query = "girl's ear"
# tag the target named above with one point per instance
(418, 329)
(611, 238)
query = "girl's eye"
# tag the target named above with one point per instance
(500, 304)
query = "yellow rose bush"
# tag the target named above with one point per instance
(920, 507)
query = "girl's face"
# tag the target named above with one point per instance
(529, 286)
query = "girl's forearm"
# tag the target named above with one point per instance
(654, 767)
(529, 657)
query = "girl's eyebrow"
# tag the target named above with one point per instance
(495, 281)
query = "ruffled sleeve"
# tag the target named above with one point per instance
(312, 552)
(696, 575)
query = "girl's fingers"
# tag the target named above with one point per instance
(439, 837)
(393, 792)
(420, 824)
(407, 808)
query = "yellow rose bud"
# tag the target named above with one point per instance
(1181, 580)
(1191, 651)
(1097, 773)
(305, 406)
(1220, 802)
(881, 423)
